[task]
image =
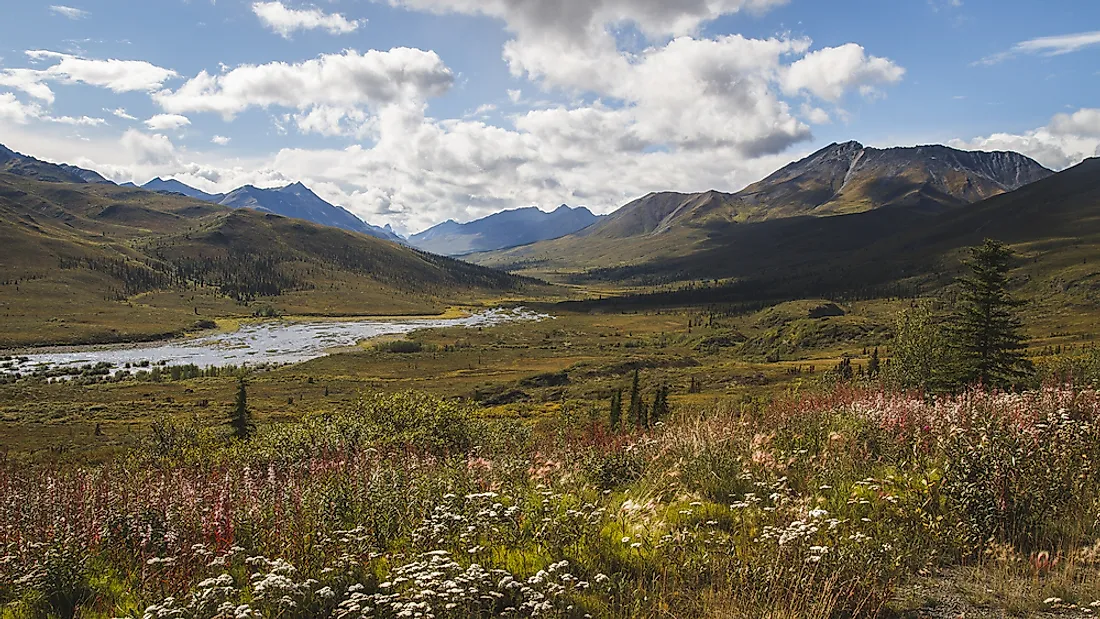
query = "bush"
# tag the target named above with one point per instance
(404, 347)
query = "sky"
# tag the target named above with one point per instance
(412, 112)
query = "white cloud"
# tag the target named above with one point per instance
(165, 122)
(121, 113)
(1066, 141)
(1047, 46)
(68, 11)
(116, 75)
(220, 140)
(815, 115)
(149, 148)
(285, 21)
(1084, 122)
(346, 80)
(86, 121)
(15, 111)
(28, 81)
(829, 73)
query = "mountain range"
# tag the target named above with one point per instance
(294, 200)
(664, 236)
(502, 230)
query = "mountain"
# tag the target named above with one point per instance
(841, 179)
(24, 165)
(299, 202)
(174, 186)
(503, 230)
(106, 263)
(295, 201)
(1053, 225)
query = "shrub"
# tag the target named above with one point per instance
(404, 347)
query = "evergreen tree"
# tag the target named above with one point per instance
(874, 365)
(617, 410)
(660, 405)
(844, 372)
(987, 332)
(636, 401)
(241, 420)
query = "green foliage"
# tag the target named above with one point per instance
(1027, 489)
(920, 355)
(987, 333)
(58, 584)
(616, 414)
(241, 419)
(400, 346)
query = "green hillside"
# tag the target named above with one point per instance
(87, 263)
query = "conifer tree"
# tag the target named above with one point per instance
(660, 405)
(241, 420)
(987, 332)
(874, 365)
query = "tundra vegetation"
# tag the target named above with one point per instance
(942, 470)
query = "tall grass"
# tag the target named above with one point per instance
(820, 505)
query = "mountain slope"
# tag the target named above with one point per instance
(840, 179)
(24, 165)
(502, 230)
(100, 263)
(1052, 224)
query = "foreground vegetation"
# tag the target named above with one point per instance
(817, 504)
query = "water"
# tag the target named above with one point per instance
(276, 342)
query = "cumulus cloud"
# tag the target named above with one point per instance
(115, 75)
(831, 72)
(220, 140)
(15, 111)
(1047, 46)
(149, 148)
(285, 21)
(68, 11)
(164, 122)
(28, 81)
(347, 80)
(1066, 141)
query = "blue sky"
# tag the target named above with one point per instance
(410, 112)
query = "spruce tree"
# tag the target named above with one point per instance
(660, 405)
(617, 410)
(874, 365)
(987, 332)
(241, 420)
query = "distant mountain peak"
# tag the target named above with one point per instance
(508, 228)
(299, 202)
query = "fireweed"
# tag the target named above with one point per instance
(820, 505)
